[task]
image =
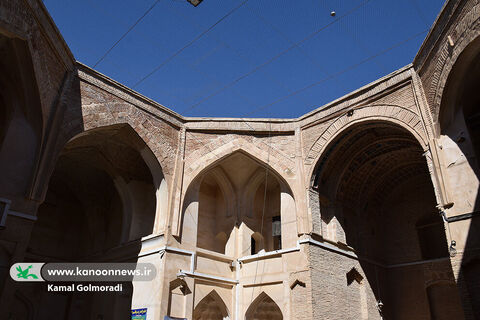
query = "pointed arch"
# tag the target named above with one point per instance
(110, 181)
(263, 308)
(211, 307)
(133, 140)
(227, 190)
(398, 115)
(373, 184)
(247, 198)
(410, 124)
(283, 170)
(468, 40)
(178, 291)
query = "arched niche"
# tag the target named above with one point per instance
(211, 307)
(105, 191)
(263, 308)
(374, 193)
(257, 243)
(177, 298)
(21, 119)
(238, 196)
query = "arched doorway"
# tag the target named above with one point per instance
(376, 196)
(263, 308)
(101, 200)
(211, 307)
(239, 198)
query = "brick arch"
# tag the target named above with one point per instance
(151, 130)
(401, 116)
(132, 139)
(227, 189)
(264, 307)
(211, 302)
(284, 173)
(210, 159)
(466, 32)
(247, 198)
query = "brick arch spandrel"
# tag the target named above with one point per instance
(160, 137)
(286, 173)
(403, 117)
(465, 32)
(209, 159)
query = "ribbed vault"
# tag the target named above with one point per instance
(365, 157)
(376, 196)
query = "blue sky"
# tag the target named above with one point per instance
(268, 58)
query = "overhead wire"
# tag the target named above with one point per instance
(308, 86)
(275, 57)
(171, 57)
(419, 12)
(127, 32)
(264, 207)
(349, 68)
(291, 42)
(155, 42)
(275, 81)
(183, 99)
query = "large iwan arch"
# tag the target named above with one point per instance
(374, 194)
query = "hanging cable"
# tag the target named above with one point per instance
(349, 68)
(264, 204)
(310, 36)
(275, 81)
(148, 75)
(128, 31)
(420, 14)
(291, 42)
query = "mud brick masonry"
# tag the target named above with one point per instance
(365, 208)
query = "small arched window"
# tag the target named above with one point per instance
(256, 243)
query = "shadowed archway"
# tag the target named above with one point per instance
(376, 197)
(103, 197)
(263, 308)
(211, 307)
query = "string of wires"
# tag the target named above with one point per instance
(171, 57)
(126, 33)
(277, 56)
(292, 46)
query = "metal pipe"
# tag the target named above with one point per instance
(459, 217)
(184, 273)
(267, 254)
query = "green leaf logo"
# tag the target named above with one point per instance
(24, 274)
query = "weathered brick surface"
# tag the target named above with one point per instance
(332, 298)
(99, 109)
(280, 147)
(435, 60)
(20, 20)
(302, 300)
(91, 101)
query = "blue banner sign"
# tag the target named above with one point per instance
(139, 314)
